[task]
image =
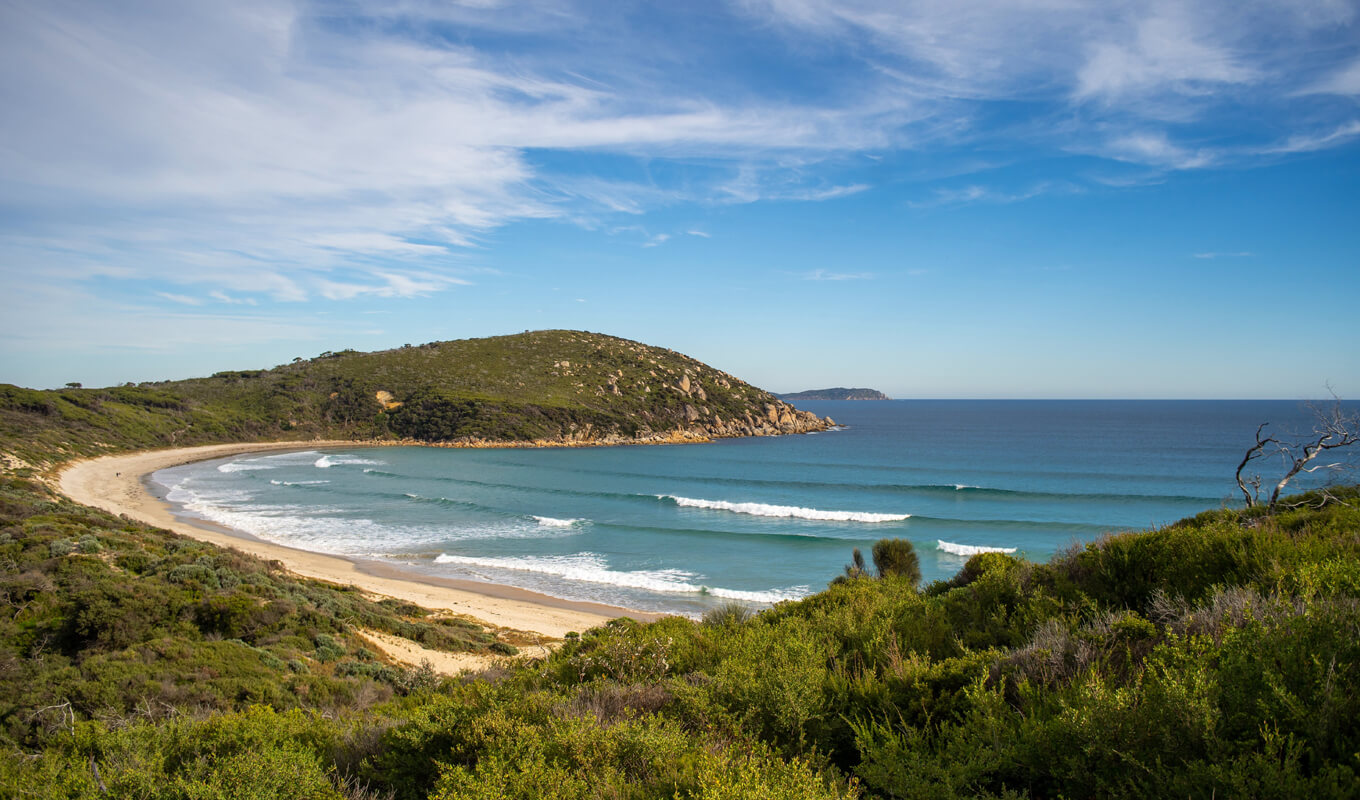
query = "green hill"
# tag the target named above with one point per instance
(567, 387)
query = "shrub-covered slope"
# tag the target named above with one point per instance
(103, 618)
(1216, 657)
(555, 386)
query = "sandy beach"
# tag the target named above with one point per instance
(115, 484)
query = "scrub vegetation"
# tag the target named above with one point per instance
(1217, 656)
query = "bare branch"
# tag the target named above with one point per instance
(1253, 453)
(1333, 428)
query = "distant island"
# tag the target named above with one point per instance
(838, 393)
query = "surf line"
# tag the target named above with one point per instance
(768, 510)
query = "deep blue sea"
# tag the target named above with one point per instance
(683, 528)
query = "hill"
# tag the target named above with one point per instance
(838, 393)
(549, 387)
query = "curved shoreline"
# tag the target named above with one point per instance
(116, 484)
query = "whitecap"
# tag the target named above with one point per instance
(243, 466)
(336, 461)
(767, 510)
(591, 568)
(552, 522)
(969, 549)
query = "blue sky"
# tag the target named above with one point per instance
(965, 199)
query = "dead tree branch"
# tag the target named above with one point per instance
(1333, 428)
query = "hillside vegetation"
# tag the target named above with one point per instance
(1219, 656)
(545, 386)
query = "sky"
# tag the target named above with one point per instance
(1029, 199)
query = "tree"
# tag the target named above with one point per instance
(896, 558)
(1333, 428)
(855, 570)
(893, 558)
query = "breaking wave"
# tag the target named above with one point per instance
(969, 549)
(552, 522)
(591, 568)
(242, 466)
(337, 461)
(767, 510)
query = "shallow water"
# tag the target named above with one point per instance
(685, 527)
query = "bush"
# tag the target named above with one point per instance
(896, 558)
(728, 615)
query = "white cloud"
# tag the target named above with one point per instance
(1345, 81)
(1308, 142)
(257, 149)
(983, 194)
(827, 275)
(1156, 149)
(1162, 53)
(1243, 254)
(223, 297)
(180, 298)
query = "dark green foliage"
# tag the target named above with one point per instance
(896, 558)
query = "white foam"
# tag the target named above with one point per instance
(767, 510)
(591, 568)
(298, 483)
(243, 466)
(969, 549)
(552, 522)
(336, 461)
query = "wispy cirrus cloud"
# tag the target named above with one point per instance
(976, 193)
(831, 275)
(280, 151)
(1211, 256)
(1101, 76)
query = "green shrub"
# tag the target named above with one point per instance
(896, 558)
(195, 576)
(729, 614)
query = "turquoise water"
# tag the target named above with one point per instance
(682, 528)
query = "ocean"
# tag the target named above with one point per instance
(683, 528)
